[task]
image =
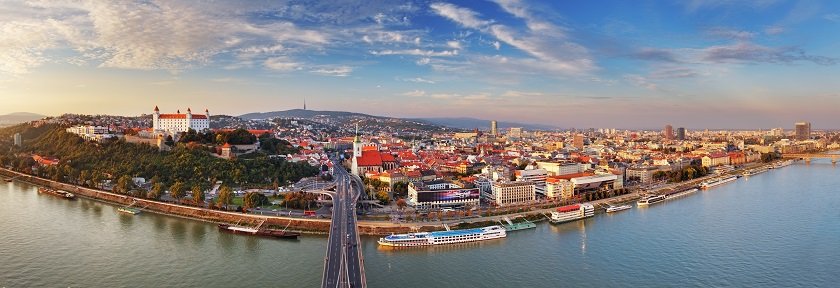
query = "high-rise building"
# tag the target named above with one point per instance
(669, 132)
(18, 140)
(681, 133)
(494, 128)
(515, 132)
(803, 130)
(578, 141)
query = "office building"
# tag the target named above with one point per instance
(803, 131)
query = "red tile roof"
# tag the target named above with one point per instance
(181, 116)
(369, 158)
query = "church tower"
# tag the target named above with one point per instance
(357, 152)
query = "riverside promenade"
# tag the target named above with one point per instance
(322, 226)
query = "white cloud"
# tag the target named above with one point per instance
(463, 16)
(454, 44)
(517, 94)
(416, 52)
(282, 63)
(640, 81)
(546, 43)
(833, 17)
(415, 93)
(497, 45)
(417, 80)
(337, 71)
(139, 35)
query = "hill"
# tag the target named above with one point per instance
(472, 123)
(300, 113)
(346, 121)
(19, 117)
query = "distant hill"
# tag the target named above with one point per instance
(19, 117)
(300, 113)
(472, 123)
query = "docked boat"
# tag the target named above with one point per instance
(236, 229)
(755, 171)
(524, 224)
(443, 237)
(716, 182)
(571, 213)
(129, 210)
(57, 193)
(8, 179)
(650, 200)
(678, 194)
(782, 164)
(612, 209)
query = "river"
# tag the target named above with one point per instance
(776, 229)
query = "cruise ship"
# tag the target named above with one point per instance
(755, 171)
(782, 164)
(443, 237)
(677, 194)
(716, 182)
(571, 213)
(651, 199)
(612, 209)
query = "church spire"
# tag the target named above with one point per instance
(356, 139)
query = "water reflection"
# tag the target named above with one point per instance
(198, 232)
(179, 230)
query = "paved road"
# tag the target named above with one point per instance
(343, 264)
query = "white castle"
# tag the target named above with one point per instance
(175, 123)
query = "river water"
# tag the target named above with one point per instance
(777, 229)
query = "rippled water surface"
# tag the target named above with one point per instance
(777, 229)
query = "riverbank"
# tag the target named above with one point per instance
(321, 226)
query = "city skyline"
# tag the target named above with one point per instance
(693, 64)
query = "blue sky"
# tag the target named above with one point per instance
(623, 64)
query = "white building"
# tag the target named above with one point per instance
(18, 140)
(559, 188)
(94, 133)
(175, 123)
(511, 193)
(537, 176)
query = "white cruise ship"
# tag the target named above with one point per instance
(782, 164)
(571, 213)
(443, 237)
(716, 182)
(652, 199)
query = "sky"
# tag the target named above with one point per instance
(575, 64)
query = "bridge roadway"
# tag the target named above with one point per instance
(807, 156)
(344, 264)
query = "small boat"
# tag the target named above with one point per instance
(129, 210)
(259, 231)
(58, 193)
(652, 199)
(612, 209)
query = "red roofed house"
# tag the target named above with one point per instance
(178, 122)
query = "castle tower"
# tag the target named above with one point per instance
(189, 117)
(155, 119)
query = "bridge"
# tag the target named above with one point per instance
(344, 265)
(808, 156)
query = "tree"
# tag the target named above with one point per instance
(198, 195)
(156, 192)
(225, 196)
(177, 191)
(401, 204)
(253, 200)
(124, 185)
